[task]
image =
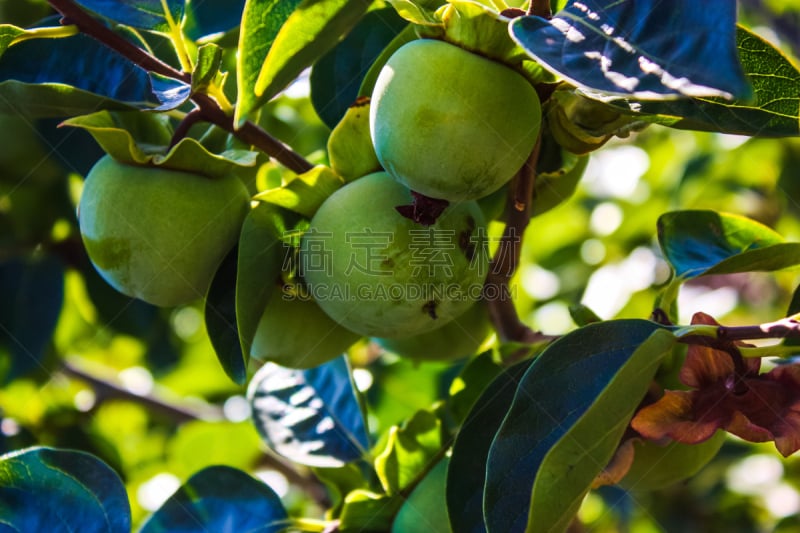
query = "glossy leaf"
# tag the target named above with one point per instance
(774, 110)
(33, 293)
(647, 49)
(220, 498)
(142, 139)
(409, 450)
(220, 318)
(76, 75)
(307, 34)
(312, 416)
(262, 253)
(337, 75)
(466, 474)
(261, 22)
(209, 60)
(305, 193)
(567, 418)
(8, 33)
(144, 14)
(213, 16)
(46, 489)
(706, 242)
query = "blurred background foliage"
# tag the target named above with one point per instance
(142, 389)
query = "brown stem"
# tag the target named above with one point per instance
(211, 111)
(541, 8)
(504, 264)
(191, 118)
(106, 389)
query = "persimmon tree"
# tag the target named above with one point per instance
(400, 265)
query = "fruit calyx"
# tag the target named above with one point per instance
(423, 209)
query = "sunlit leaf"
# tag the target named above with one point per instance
(774, 110)
(220, 498)
(145, 14)
(305, 193)
(409, 450)
(45, 489)
(647, 49)
(706, 242)
(142, 139)
(567, 418)
(312, 416)
(261, 22)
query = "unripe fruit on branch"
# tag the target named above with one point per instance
(451, 124)
(158, 234)
(382, 275)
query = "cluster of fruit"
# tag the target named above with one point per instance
(398, 254)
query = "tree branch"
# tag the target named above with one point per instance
(249, 133)
(504, 264)
(541, 8)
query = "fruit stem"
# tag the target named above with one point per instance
(504, 264)
(249, 133)
(541, 8)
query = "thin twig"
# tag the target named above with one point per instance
(249, 133)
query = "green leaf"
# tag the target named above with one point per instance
(220, 498)
(145, 14)
(262, 253)
(774, 110)
(220, 318)
(646, 49)
(336, 77)
(45, 489)
(409, 450)
(8, 33)
(422, 13)
(209, 59)
(466, 474)
(309, 32)
(567, 418)
(261, 22)
(311, 416)
(699, 242)
(143, 139)
(305, 193)
(365, 511)
(470, 383)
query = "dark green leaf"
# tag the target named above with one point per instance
(774, 110)
(213, 16)
(261, 22)
(145, 14)
(312, 416)
(466, 474)
(220, 317)
(706, 242)
(7, 35)
(337, 75)
(76, 75)
(220, 498)
(648, 49)
(33, 292)
(262, 253)
(44, 489)
(368, 512)
(305, 193)
(568, 415)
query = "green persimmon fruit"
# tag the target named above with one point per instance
(380, 274)
(655, 467)
(451, 124)
(350, 149)
(295, 333)
(158, 234)
(461, 337)
(426, 506)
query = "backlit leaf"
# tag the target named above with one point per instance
(145, 14)
(311, 416)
